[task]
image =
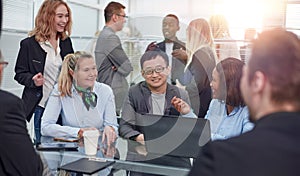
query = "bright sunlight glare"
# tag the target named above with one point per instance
(241, 14)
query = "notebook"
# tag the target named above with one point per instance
(174, 135)
(87, 165)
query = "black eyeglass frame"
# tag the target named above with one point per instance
(158, 69)
(124, 16)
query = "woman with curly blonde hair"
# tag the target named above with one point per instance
(40, 57)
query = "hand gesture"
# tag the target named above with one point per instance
(152, 46)
(38, 79)
(180, 105)
(180, 54)
(140, 139)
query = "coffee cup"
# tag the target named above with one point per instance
(90, 139)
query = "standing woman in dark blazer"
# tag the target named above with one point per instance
(40, 57)
(200, 64)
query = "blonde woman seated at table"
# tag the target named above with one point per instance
(82, 102)
(227, 112)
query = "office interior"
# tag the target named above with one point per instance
(143, 25)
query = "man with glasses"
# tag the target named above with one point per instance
(17, 154)
(153, 96)
(112, 62)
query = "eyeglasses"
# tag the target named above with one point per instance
(122, 15)
(157, 69)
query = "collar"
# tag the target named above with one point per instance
(280, 119)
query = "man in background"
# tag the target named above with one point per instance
(172, 46)
(271, 88)
(18, 157)
(112, 62)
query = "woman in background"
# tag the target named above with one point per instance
(201, 62)
(40, 57)
(83, 103)
(220, 30)
(227, 112)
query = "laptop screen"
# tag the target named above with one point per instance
(174, 135)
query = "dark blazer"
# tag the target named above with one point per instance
(30, 61)
(197, 79)
(272, 148)
(177, 64)
(17, 155)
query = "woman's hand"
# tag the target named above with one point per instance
(109, 135)
(180, 105)
(80, 132)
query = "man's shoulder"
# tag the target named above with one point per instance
(107, 31)
(29, 40)
(179, 42)
(7, 96)
(138, 87)
(8, 99)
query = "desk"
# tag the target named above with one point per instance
(55, 159)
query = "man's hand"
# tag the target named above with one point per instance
(152, 46)
(38, 79)
(180, 54)
(180, 105)
(140, 139)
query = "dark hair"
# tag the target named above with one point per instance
(230, 71)
(112, 8)
(173, 16)
(152, 54)
(276, 53)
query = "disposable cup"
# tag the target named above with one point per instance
(90, 139)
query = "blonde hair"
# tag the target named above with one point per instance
(219, 26)
(198, 35)
(65, 79)
(44, 21)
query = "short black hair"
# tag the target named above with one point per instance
(152, 54)
(173, 16)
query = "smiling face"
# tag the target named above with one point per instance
(86, 73)
(61, 18)
(157, 82)
(169, 28)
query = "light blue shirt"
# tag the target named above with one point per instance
(75, 115)
(224, 126)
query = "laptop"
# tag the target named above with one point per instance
(174, 135)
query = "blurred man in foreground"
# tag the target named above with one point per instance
(17, 155)
(271, 88)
